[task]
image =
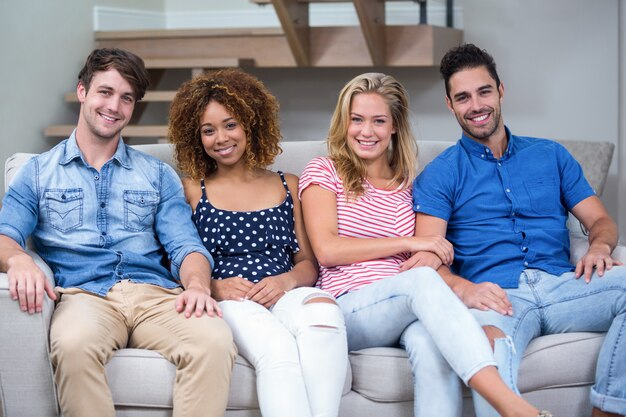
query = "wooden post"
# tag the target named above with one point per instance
(371, 15)
(294, 18)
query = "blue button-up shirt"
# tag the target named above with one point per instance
(504, 215)
(96, 228)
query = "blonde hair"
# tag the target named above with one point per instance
(403, 148)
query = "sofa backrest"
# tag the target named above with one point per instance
(594, 157)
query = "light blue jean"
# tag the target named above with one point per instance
(547, 304)
(417, 310)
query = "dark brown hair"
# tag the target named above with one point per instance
(129, 65)
(245, 98)
(466, 56)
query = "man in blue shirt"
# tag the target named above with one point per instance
(502, 201)
(104, 216)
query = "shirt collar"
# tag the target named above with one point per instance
(483, 152)
(72, 151)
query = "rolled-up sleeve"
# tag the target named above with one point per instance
(20, 206)
(432, 190)
(174, 226)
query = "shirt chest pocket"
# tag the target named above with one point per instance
(64, 208)
(139, 209)
(544, 194)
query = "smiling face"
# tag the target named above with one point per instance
(106, 108)
(223, 137)
(476, 103)
(371, 127)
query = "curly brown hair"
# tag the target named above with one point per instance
(247, 100)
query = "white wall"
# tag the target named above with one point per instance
(43, 45)
(559, 61)
(41, 52)
(621, 183)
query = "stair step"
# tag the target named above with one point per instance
(174, 63)
(148, 34)
(412, 46)
(130, 131)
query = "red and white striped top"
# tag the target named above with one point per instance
(377, 213)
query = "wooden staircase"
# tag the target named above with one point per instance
(296, 44)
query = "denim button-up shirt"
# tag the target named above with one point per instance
(504, 215)
(96, 228)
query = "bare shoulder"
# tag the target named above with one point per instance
(192, 190)
(292, 182)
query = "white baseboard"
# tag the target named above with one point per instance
(112, 18)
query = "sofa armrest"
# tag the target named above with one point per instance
(620, 253)
(579, 245)
(26, 378)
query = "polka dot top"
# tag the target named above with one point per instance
(248, 244)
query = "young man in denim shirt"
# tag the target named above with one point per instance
(502, 201)
(103, 215)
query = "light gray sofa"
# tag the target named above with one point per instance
(556, 373)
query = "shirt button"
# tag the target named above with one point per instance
(499, 164)
(482, 156)
(508, 190)
(525, 263)
(102, 205)
(524, 249)
(97, 177)
(104, 233)
(417, 207)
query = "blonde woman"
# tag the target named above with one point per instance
(224, 126)
(358, 213)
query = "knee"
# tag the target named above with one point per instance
(321, 311)
(423, 353)
(417, 341)
(214, 340)
(75, 352)
(78, 342)
(493, 333)
(422, 284)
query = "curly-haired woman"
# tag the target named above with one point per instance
(225, 129)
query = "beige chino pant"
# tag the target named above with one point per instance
(86, 330)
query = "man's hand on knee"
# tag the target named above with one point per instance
(197, 301)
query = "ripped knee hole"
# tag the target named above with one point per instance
(493, 333)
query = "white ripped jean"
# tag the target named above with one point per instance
(298, 349)
(418, 310)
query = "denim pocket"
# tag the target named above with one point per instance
(544, 194)
(139, 209)
(64, 208)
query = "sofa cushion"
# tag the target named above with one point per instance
(548, 361)
(296, 155)
(139, 377)
(143, 378)
(384, 374)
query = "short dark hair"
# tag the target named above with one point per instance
(463, 57)
(129, 65)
